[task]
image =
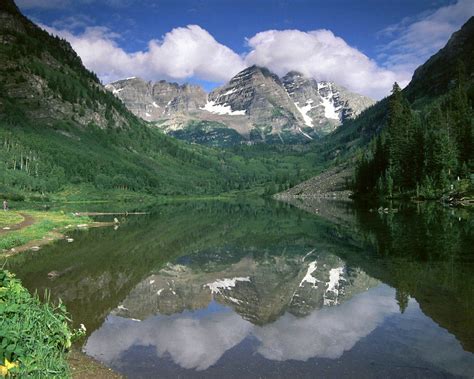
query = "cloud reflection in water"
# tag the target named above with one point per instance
(198, 342)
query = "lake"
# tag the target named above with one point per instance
(263, 289)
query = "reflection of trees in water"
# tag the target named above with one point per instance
(425, 251)
(102, 266)
(421, 251)
(423, 232)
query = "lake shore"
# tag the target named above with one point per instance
(83, 367)
(31, 229)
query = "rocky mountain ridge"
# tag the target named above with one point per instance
(154, 101)
(256, 103)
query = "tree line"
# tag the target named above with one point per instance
(420, 153)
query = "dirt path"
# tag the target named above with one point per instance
(27, 221)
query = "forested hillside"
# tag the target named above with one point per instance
(432, 80)
(420, 153)
(420, 139)
(60, 128)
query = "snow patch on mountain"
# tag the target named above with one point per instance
(327, 100)
(304, 112)
(329, 108)
(114, 89)
(305, 134)
(223, 109)
(229, 92)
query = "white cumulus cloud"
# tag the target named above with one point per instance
(321, 55)
(192, 52)
(182, 53)
(191, 343)
(199, 342)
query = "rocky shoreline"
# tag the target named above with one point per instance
(331, 184)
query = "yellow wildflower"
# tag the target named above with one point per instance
(7, 366)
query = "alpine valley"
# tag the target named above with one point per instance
(62, 130)
(254, 106)
(63, 134)
(272, 225)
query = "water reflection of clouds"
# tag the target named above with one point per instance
(198, 340)
(192, 343)
(199, 343)
(326, 333)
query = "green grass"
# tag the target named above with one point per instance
(34, 336)
(9, 218)
(43, 227)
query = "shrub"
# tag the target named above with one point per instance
(39, 198)
(34, 336)
(12, 196)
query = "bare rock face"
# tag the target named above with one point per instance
(323, 105)
(255, 103)
(260, 95)
(333, 183)
(160, 100)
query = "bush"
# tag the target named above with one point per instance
(12, 196)
(39, 198)
(34, 336)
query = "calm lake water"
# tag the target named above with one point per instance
(263, 289)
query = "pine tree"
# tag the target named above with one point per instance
(441, 150)
(401, 139)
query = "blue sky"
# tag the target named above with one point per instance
(364, 45)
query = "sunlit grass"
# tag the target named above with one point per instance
(44, 224)
(9, 218)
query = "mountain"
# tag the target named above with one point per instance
(259, 95)
(42, 78)
(154, 101)
(254, 106)
(323, 105)
(430, 81)
(440, 72)
(434, 152)
(61, 131)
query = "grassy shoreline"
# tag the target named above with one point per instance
(45, 226)
(9, 218)
(57, 215)
(34, 229)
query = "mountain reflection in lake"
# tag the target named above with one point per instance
(267, 290)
